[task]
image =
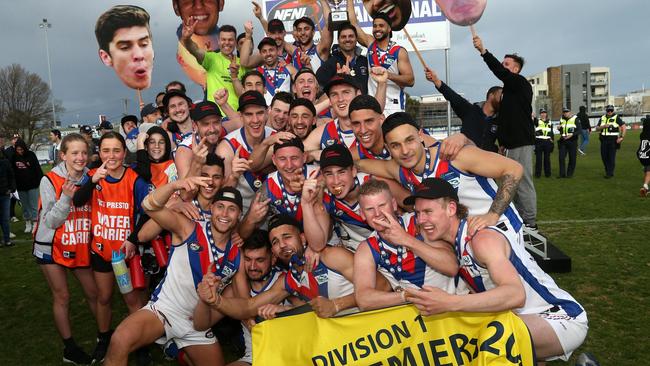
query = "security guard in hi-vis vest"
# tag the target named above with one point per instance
(568, 142)
(543, 144)
(612, 132)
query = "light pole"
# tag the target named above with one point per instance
(45, 25)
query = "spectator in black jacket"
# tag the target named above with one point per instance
(478, 118)
(28, 173)
(345, 59)
(7, 186)
(516, 131)
(583, 119)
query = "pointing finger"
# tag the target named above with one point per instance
(314, 173)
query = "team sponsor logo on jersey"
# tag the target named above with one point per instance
(98, 187)
(339, 213)
(329, 142)
(209, 334)
(453, 178)
(321, 279)
(195, 247)
(227, 271)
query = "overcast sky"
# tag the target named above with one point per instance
(546, 33)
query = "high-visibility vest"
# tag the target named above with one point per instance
(567, 127)
(613, 128)
(543, 130)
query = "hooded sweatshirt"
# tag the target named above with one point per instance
(27, 169)
(53, 212)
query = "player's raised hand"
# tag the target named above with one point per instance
(200, 151)
(221, 96)
(191, 183)
(69, 188)
(188, 29)
(379, 74)
(392, 230)
(248, 28)
(311, 188)
(207, 288)
(257, 10)
(259, 208)
(239, 165)
(100, 173)
(188, 209)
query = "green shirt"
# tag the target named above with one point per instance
(218, 76)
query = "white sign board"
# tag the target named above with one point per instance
(427, 25)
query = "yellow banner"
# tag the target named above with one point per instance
(397, 336)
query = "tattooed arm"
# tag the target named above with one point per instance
(490, 165)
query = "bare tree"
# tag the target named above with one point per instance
(25, 106)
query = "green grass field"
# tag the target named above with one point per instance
(601, 224)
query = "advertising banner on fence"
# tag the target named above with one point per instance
(427, 25)
(393, 336)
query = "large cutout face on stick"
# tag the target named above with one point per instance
(397, 10)
(125, 44)
(205, 11)
(462, 12)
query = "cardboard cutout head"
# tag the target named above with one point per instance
(462, 12)
(125, 44)
(399, 11)
(206, 11)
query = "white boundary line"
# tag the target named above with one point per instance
(594, 221)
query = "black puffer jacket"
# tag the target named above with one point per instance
(7, 181)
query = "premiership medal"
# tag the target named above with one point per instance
(257, 183)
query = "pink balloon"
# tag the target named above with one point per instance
(462, 12)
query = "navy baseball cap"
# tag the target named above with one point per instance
(148, 109)
(432, 188)
(203, 109)
(175, 93)
(229, 194)
(336, 155)
(339, 79)
(276, 25)
(251, 97)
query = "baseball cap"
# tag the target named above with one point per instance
(203, 109)
(294, 142)
(276, 25)
(106, 125)
(251, 97)
(304, 20)
(266, 41)
(86, 129)
(175, 93)
(229, 194)
(339, 79)
(148, 109)
(432, 188)
(336, 155)
(303, 102)
(128, 118)
(397, 119)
